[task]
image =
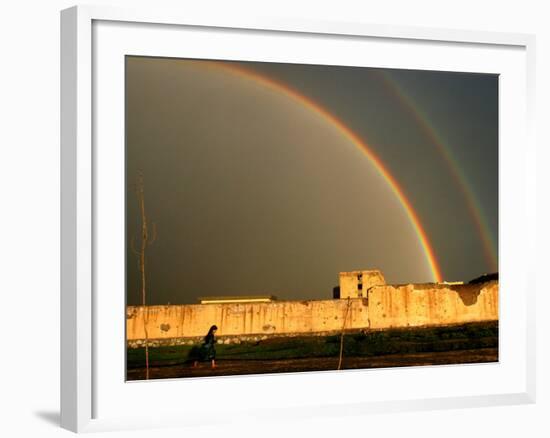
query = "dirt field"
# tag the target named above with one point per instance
(240, 367)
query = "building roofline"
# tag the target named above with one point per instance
(238, 297)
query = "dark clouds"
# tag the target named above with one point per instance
(254, 194)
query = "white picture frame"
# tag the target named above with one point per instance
(84, 386)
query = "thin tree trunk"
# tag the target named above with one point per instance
(342, 335)
(144, 242)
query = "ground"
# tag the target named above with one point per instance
(469, 343)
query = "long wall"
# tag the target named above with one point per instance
(384, 307)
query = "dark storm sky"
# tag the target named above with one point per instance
(252, 193)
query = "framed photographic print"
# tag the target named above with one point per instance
(341, 212)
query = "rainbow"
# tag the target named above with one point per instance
(355, 139)
(472, 202)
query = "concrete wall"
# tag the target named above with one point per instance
(420, 305)
(246, 318)
(384, 307)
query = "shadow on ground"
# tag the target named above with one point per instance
(51, 417)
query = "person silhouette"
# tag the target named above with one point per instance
(207, 352)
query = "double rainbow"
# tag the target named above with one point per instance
(445, 150)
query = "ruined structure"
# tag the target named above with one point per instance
(355, 284)
(366, 302)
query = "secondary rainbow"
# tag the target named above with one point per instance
(472, 202)
(356, 140)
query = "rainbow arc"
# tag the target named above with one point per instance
(356, 140)
(444, 148)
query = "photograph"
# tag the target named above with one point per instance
(286, 218)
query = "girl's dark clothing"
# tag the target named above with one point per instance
(207, 351)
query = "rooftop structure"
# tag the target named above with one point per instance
(238, 299)
(354, 284)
